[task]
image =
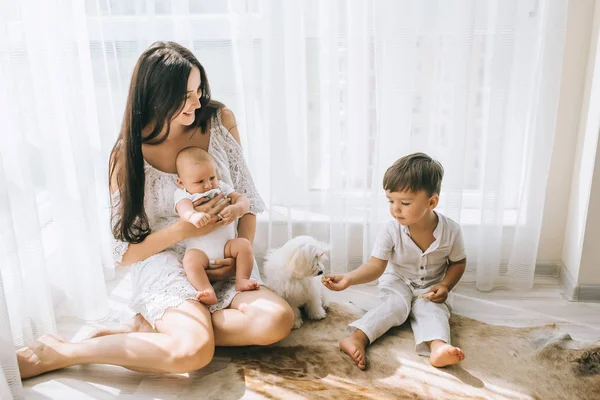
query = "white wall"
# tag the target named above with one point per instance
(589, 272)
(585, 157)
(575, 65)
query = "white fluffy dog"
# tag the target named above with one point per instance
(291, 271)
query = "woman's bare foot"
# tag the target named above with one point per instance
(207, 296)
(44, 355)
(137, 324)
(443, 354)
(243, 285)
(354, 345)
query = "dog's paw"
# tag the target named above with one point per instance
(316, 315)
(297, 323)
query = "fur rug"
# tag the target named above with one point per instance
(501, 363)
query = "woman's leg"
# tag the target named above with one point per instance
(184, 342)
(258, 317)
(135, 324)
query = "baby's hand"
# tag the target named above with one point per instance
(199, 219)
(336, 282)
(230, 214)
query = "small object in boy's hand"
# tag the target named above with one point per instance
(425, 295)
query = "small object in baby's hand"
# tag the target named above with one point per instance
(211, 194)
(425, 295)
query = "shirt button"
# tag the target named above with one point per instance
(422, 267)
(422, 278)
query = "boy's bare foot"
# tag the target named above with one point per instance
(354, 345)
(443, 354)
(207, 296)
(44, 355)
(137, 324)
(243, 285)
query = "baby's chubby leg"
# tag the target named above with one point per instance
(195, 263)
(241, 250)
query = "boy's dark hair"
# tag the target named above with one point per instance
(414, 172)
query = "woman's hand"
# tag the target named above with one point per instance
(212, 207)
(221, 269)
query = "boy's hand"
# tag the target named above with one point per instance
(230, 214)
(336, 282)
(199, 219)
(439, 293)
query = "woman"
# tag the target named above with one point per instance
(168, 109)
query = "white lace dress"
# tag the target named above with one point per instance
(159, 282)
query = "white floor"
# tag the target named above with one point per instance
(543, 305)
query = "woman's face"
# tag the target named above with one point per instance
(192, 103)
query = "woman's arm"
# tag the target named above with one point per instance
(154, 243)
(162, 239)
(247, 227)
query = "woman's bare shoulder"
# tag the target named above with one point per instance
(114, 166)
(229, 123)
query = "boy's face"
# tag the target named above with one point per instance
(197, 177)
(408, 207)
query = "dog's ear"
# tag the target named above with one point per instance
(293, 259)
(296, 253)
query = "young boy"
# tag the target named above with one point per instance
(419, 256)
(197, 178)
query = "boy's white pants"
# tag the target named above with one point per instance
(429, 320)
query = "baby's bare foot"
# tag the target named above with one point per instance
(443, 354)
(243, 285)
(44, 355)
(207, 296)
(354, 346)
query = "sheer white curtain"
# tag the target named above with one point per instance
(327, 95)
(53, 196)
(335, 91)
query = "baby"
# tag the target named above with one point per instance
(197, 178)
(419, 256)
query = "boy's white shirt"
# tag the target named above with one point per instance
(181, 194)
(406, 260)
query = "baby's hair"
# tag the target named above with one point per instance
(414, 172)
(192, 154)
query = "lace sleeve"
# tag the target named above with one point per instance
(240, 174)
(119, 248)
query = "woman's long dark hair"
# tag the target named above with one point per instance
(157, 94)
